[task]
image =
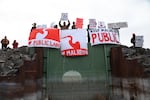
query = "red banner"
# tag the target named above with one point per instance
(44, 38)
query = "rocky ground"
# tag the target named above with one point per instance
(141, 54)
(12, 59)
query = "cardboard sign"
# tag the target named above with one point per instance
(79, 22)
(44, 38)
(139, 41)
(42, 26)
(92, 23)
(73, 42)
(101, 24)
(117, 25)
(64, 16)
(99, 36)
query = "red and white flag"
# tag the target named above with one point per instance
(44, 38)
(73, 42)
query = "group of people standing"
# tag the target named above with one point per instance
(5, 43)
(62, 26)
(67, 25)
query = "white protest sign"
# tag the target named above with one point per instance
(139, 41)
(117, 25)
(64, 16)
(92, 23)
(42, 26)
(101, 24)
(99, 36)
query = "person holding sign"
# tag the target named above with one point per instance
(64, 26)
(64, 17)
(133, 39)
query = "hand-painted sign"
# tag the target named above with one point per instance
(92, 23)
(64, 16)
(139, 41)
(42, 26)
(101, 24)
(79, 23)
(73, 42)
(103, 36)
(44, 38)
(117, 25)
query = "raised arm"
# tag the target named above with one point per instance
(68, 23)
(60, 23)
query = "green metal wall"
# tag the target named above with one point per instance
(94, 70)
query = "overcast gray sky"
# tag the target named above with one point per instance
(17, 16)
